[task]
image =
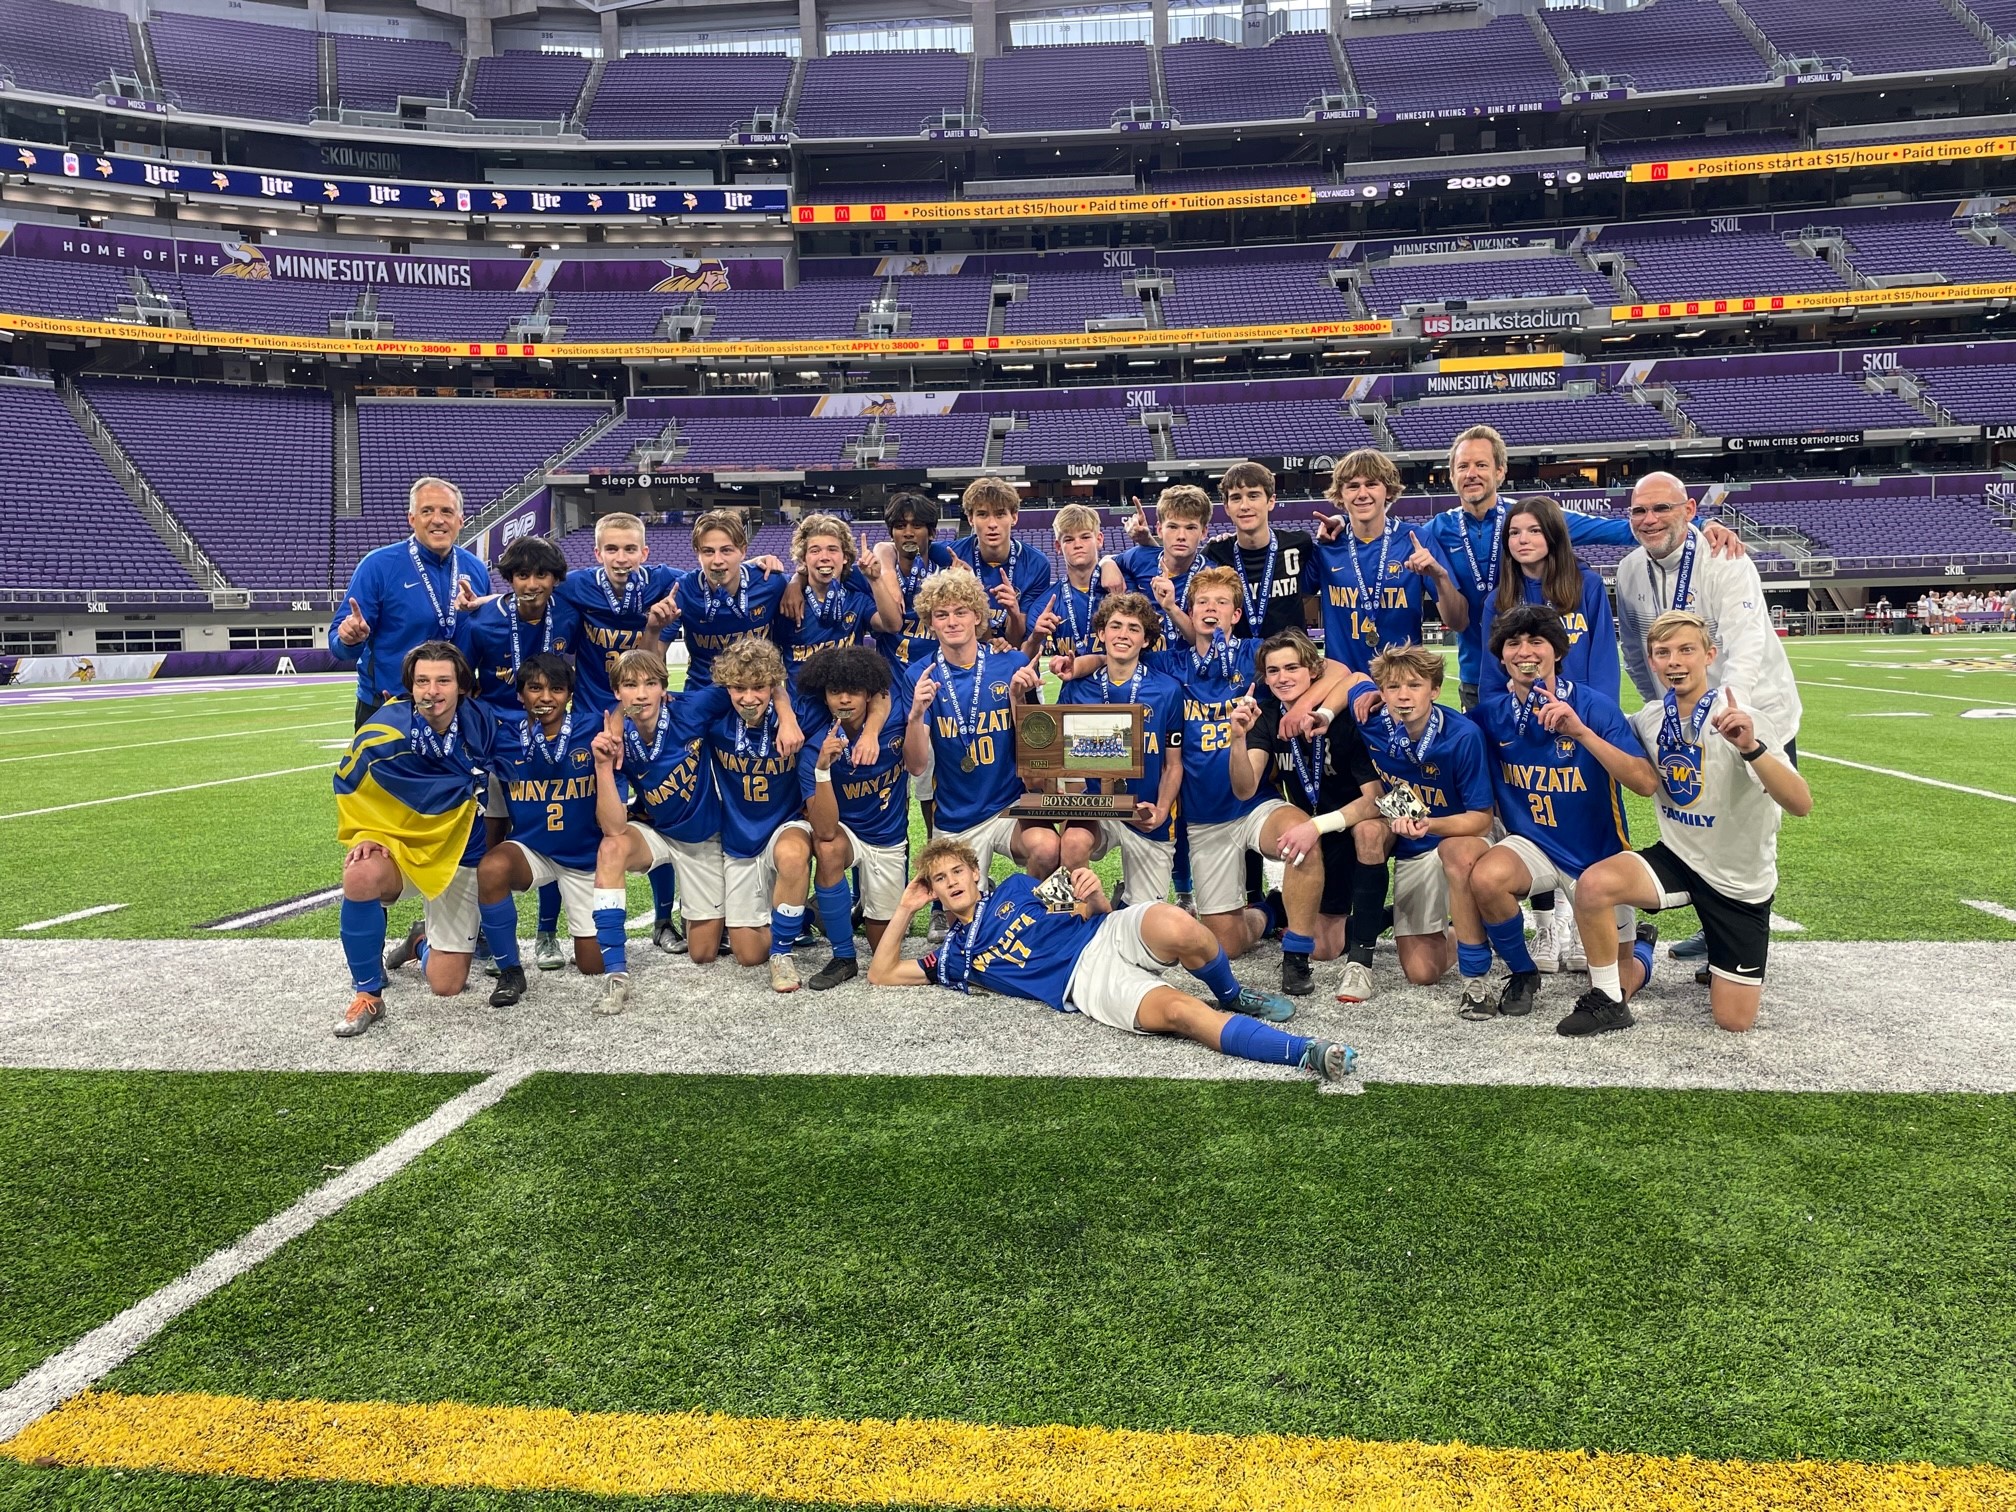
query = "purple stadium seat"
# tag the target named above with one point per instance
(1213, 81)
(528, 86)
(236, 67)
(1672, 262)
(1392, 287)
(373, 72)
(1606, 416)
(63, 49)
(1430, 68)
(867, 94)
(1809, 402)
(1675, 44)
(1064, 88)
(700, 96)
(1270, 428)
(1876, 36)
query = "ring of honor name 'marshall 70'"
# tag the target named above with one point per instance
(1098, 745)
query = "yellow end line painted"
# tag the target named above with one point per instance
(937, 1463)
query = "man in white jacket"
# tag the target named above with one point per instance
(1674, 569)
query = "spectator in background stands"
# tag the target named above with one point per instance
(410, 592)
(1673, 569)
(1470, 537)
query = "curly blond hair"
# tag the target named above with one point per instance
(948, 587)
(750, 662)
(814, 526)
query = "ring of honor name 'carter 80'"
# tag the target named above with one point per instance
(1076, 762)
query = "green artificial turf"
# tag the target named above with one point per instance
(114, 1183)
(1758, 1275)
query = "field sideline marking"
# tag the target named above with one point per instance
(1979, 703)
(1951, 787)
(306, 903)
(320, 766)
(64, 1374)
(1998, 910)
(934, 1462)
(141, 745)
(71, 918)
(185, 713)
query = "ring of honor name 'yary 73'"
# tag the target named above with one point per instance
(1075, 760)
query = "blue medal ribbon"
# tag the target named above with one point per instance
(632, 599)
(440, 747)
(1256, 604)
(1524, 709)
(535, 737)
(1311, 774)
(767, 725)
(715, 601)
(1403, 743)
(1368, 598)
(545, 636)
(1221, 654)
(1003, 573)
(634, 743)
(969, 725)
(444, 618)
(1683, 580)
(1487, 574)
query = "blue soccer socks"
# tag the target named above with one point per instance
(362, 928)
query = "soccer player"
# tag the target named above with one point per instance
(915, 553)
(1671, 570)
(959, 718)
(1470, 537)
(857, 799)
(1063, 623)
(1279, 566)
(1218, 673)
(1537, 566)
(1377, 578)
(1725, 786)
(409, 797)
(1328, 775)
(1438, 755)
(543, 777)
(650, 751)
(1012, 575)
(412, 591)
(845, 589)
(1125, 627)
(726, 597)
(1182, 515)
(1560, 752)
(1094, 960)
(753, 737)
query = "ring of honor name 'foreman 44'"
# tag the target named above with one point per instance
(1077, 760)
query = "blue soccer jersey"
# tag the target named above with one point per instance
(1074, 609)
(669, 775)
(497, 643)
(843, 616)
(549, 787)
(598, 623)
(711, 618)
(1593, 659)
(1551, 789)
(1370, 599)
(874, 800)
(1471, 547)
(1027, 570)
(1014, 946)
(759, 784)
(935, 557)
(1448, 768)
(1213, 682)
(972, 735)
(1161, 726)
(1141, 565)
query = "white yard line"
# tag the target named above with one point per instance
(258, 916)
(1998, 910)
(1979, 703)
(1784, 925)
(141, 745)
(183, 713)
(1951, 787)
(189, 787)
(93, 1357)
(71, 918)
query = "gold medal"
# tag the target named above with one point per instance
(969, 761)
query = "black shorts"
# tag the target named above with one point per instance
(1340, 867)
(1739, 934)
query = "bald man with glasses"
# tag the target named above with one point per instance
(1673, 568)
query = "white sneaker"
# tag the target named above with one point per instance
(1545, 946)
(615, 993)
(1572, 956)
(1480, 999)
(1355, 985)
(783, 974)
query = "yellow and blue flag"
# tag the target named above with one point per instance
(422, 806)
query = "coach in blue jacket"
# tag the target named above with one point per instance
(406, 593)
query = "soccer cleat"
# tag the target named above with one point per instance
(546, 953)
(1480, 999)
(1267, 1006)
(784, 974)
(1521, 992)
(1355, 986)
(1545, 946)
(1703, 977)
(1693, 948)
(615, 994)
(510, 987)
(934, 934)
(834, 972)
(1296, 979)
(1186, 900)
(1596, 1012)
(1573, 957)
(1332, 1062)
(365, 1010)
(669, 936)
(406, 950)
(485, 962)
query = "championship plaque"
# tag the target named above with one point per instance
(1076, 759)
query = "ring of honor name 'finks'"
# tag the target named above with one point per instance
(1058, 747)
